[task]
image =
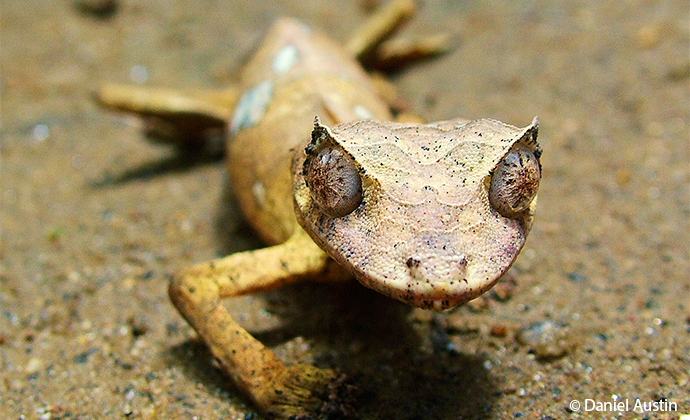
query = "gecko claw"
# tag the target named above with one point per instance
(305, 392)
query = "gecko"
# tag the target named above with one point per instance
(340, 182)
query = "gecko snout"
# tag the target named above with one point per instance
(431, 270)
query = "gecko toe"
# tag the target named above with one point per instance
(305, 392)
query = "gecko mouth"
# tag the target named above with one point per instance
(434, 271)
(430, 281)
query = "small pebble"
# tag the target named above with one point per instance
(138, 325)
(478, 304)
(39, 133)
(370, 5)
(297, 350)
(504, 289)
(101, 9)
(81, 358)
(547, 339)
(139, 74)
(499, 330)
(648, 36)
(34, 365)
(623, 176)
(679, 71)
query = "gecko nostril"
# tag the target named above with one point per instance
(438, 270)
(418, 271)
(462, 262)
(412, 263)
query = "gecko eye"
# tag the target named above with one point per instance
(515, 182)
(333, 181)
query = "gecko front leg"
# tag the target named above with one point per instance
(279, 391)
(295, 75)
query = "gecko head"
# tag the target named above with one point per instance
(432, 215)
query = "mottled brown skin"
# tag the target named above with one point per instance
(296, 75)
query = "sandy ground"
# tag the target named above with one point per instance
(95, 220)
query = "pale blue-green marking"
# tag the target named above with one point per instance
(252, 105)
(362, 112)
(285, 59)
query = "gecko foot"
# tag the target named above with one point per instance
(305, 392)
